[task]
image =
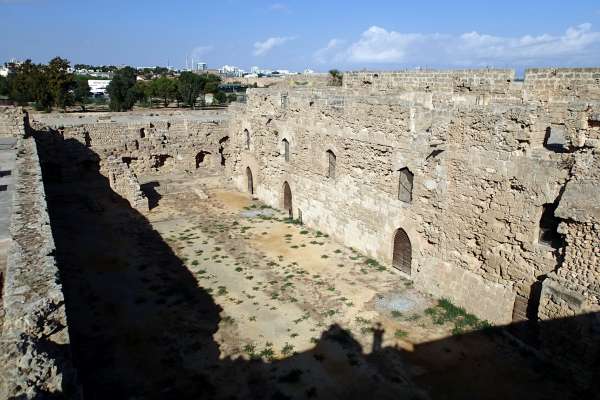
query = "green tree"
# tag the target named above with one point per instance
(164, 88)
(145, 92)
(335, 77)
(81, 93)
(122, 90)
(60, 82)
(190, 86)
(27, 83)
(3, 86)
(219, 97)
(231, 97)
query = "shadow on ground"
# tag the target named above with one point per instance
(142, 327)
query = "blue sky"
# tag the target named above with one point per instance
(298, 34)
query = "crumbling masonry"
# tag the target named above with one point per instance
(478, 187)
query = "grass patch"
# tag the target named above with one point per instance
(446, 312)
(399, 334)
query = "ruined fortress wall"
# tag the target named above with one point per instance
(490, 80)
(552, 84)
(35, 346)
(12, 121)
(481, 178)
(149, 143)
(124, 182)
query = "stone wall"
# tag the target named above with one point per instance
(482, 174)
(35, 346)
(12, 121)
(124, 182)
(150, 143)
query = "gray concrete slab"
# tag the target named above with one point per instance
(8, 153)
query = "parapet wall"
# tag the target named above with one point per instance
(35, 346)
(492, 80)
(12, 121)
(540, 84)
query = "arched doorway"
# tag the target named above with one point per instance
(402, 256)
(287, 199)
(250, 181)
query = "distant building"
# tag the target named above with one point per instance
(231, 71)
(201, 66)
(98, 87)
(4, 71)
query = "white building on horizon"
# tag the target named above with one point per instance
(98, 86)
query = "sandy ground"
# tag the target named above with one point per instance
(283, 284)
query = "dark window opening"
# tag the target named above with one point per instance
(250, 180)
(592, 123)
(137, 144)
(405, 185)
(332, 163)
(5, 173)
(3, 188)
(128, 160)
(287, 199)
(549, 226)
(168, 125)
(160, 160)
(247, 135)
(286, 150)
(142, 133)
(222, 149)
(200, 157)
(151, 125)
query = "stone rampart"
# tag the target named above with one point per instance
(35, 346)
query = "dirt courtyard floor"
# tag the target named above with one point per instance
(227, 298)
(281, 286)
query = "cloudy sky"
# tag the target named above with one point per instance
(302, 34)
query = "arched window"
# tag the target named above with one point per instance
(332, 159)
(247, 135)
(200, 158)
(405, 185)
(402, 256)
(286, 150)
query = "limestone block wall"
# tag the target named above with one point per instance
(12, 121)
(490, 80)
(552, 84)
(35, 345)
(124, 182)
(159, 143)
(481, 178)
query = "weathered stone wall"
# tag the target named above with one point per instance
(35, 354)
(149, 143)
(481, 175)
(124, 182)
(551, 84)
(12, 121)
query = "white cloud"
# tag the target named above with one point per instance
(262, 48)
(329, 51)
(579, 44)
(279, 7)
(200, 51)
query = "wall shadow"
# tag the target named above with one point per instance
(142, 326)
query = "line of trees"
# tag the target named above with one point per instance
(45, 85)
(186, 89)
(53, 86)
